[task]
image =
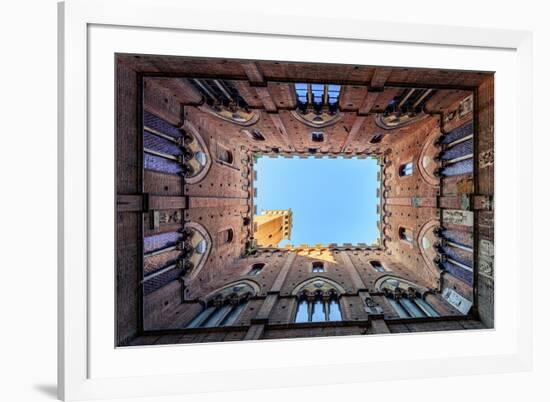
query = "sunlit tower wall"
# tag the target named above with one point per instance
(272, 226)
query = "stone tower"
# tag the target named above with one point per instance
(272, 226)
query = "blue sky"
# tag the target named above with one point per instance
(332, 200)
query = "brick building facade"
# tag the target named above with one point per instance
(188, 131)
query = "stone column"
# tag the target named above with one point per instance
(262, 316)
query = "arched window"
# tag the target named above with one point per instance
(405, 299)
(171, 255)
(317, 266)
(256, 135)
(225, 236)
(457, 152)
(407, 306)
(454, 250)
(195, 246)
(173, 150)
(318, 308)
(224, 307)
(404, 109)
(377, 266)
(406, 235)
(376, 138)
(317, 94)
(317, 104)
(256, 269)
(317, 302)
(406, 169)
(222, 99)
(225, 155)
(302, 313)
(317, 136)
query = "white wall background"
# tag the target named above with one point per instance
(28, 199)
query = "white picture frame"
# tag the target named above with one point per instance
(89, 364)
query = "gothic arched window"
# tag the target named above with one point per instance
(318, 301)
(317, 104)
(173, 150)
(195, 246)
(455, 254)
(457, 152)
(169, 256)
(404, 109)
(318, 308)
(224, 306)
(222, 99)
(405, 299)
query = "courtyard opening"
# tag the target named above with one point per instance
(316, 201)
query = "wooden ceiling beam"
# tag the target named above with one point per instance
(279, 125)
(357, 124)
(266, 99)
(182, 91)
(368, 102)
(380, 77)
(254, 74)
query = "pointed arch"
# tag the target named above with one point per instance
(391, 282)
(318, 299)
(406, 298)
(199, 244)
(244, 286)
(426, 161)
(200, 160)
(314, 283)
(224, 306)
(426, 241)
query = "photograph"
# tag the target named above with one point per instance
(271, 199)
(276, 201)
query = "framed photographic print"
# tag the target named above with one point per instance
(277, 204)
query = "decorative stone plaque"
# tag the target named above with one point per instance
(458, 217)
(486, 258)
(457, 301)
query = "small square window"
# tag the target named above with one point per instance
(406, 169)
(318, 267)
(317, 136)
